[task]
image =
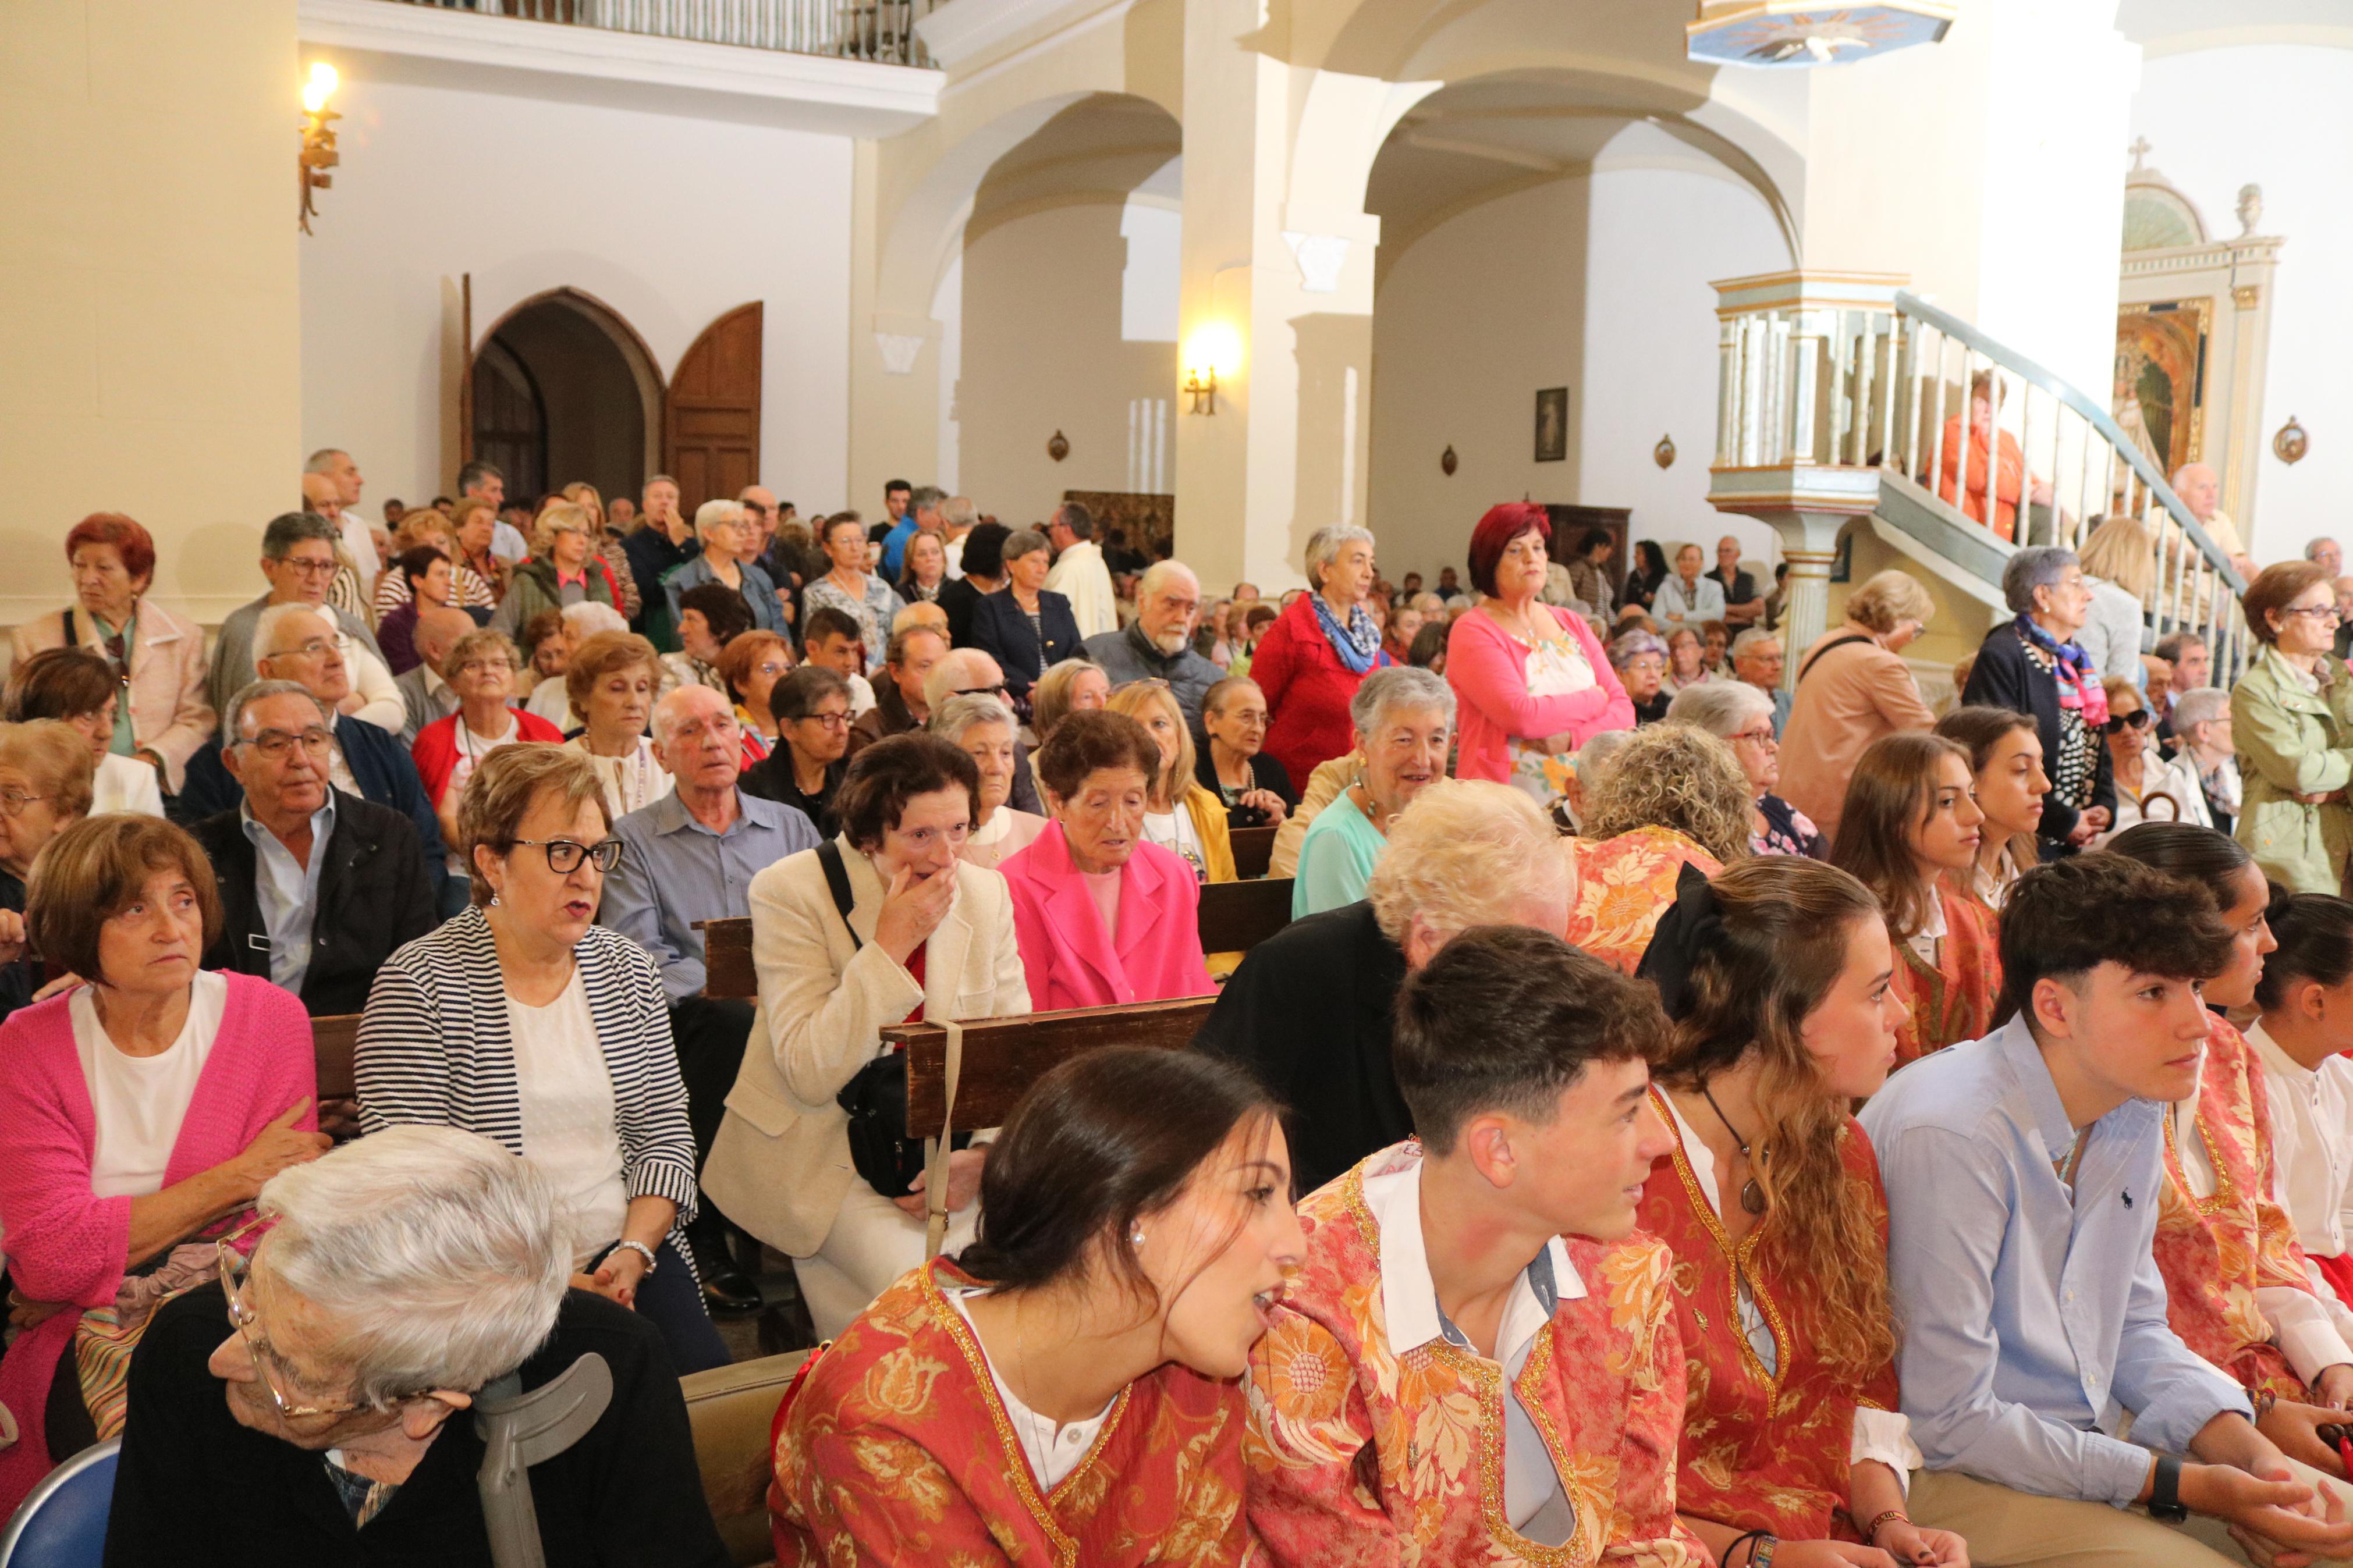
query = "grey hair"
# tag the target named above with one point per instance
(2037, 566)
(589, 618)
(1722, 708)
(2312, 547)
(1594, 755)
(2200, 705)
(2170, 647)
(951, 718)
(1467, 852)
(927, 495)
(323, 459)
(1325, 544)
(1024, 540)
(959, 511)
(253, 691)
(1399, 686)
(434, 1250)
(1633, 645)
(712, 512)
(1159, 571)
(289, 529)
(266, 625)
(1075, 518)
(664, 722)
(1755, 637)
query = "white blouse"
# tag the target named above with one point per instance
(1053, 1450)
(139, 1103)
(124, 784)
(631, 781)
(571, 1130)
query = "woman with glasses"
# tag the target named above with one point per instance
(805, 768)
(564, 569)
(1255, 790)
(528, 1022)
(882, 924)
(730, 544)
(2292, 721)
(481, 668)
(2150, 788)
(1741, 716)
(2034, 665)
(140, 1111)
(75, 685)
(854, 590)
(751, 665)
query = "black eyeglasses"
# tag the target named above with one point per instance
(2116, 721)
(564, 855)
(995, 691)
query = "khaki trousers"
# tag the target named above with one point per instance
(2006, 1528)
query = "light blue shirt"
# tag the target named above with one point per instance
(1676, 608)
(287, 893)
(674, 871)
(2031, 1321)
(1335, 859)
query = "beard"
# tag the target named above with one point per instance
(1170, 640)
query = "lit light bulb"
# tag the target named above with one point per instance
(320, 88)
(1216, 351)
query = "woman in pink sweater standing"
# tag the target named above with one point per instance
(1530, 681)
(137, 1116)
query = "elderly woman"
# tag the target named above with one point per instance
(45, 789)
(606, 539)
(563, 570)
(613, 679)
(525, 1021)
(729, 544)
(550, 698)
(2006, 767)
(981, 727)
(751, 664)
(1742, 718)
(2291, 718)
(1104, 916)
(1673, 796)
(805, 767)
(1074, 686)
(74, 685)
(2119, 562)
(138, 1112)
(158, 658)
(2033, 665)
(1404, 722)
(2150, 785)
(880, 925)
(1532, 678)
(1252, 785)
(473, 522)
(481, 668)
(2201, 727)
(709, 615)
(865, 599)
(1639, 660)
(1181, 815)
(1310, 1010)
(1025, 626)
(426, 573)
(1686, 659)
(343, 1367)
(1851, 688)
(1318, 652)
(1688, 599)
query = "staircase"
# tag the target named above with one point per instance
(1840, 395)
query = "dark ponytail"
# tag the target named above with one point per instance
(2213, 861)
(2315, 933)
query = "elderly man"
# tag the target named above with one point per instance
(1158, 646)
(297, 558)
(423, 693)
(2344, 589)
(2191, 664)
(319, 1402)
(691, 855)
(485, 483)
(2325, 554)
(1757, 658)
(1743, 605)
(958, 517)
(342, 476)
(318, 887)
(900, 705)
(664, 542)
(970, 672)
(2202, 720)
(2200, 488)
(1079, 572)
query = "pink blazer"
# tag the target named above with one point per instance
(1070, 960)
(65, 1245)
(168, 711)
(1488, 671)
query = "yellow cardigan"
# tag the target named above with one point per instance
(1209, 813)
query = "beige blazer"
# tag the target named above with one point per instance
(780, 1166)
(168, 710)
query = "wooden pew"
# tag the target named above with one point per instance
(335, 1042)
(1237, 916)
(1003, 1057)
(1253, 851)
(727, 970)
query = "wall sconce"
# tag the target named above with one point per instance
(1214, 349)
(319, 153)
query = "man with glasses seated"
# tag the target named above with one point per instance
(298, 557)
(317, 886)
(691, 855)
(318, 1404)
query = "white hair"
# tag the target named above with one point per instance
(958, 667)
(667, 709)
(2312, 547)
(266, 625)
(1722, 708)
(2200, 705)
(1324, 547)
(1159, 571)
(588, 617)
(1467, 852)
(254, 691)
(953, 717)
(712, 512)
(1754, 638)
(1399, 686)
(436, 1252)
(1594, 755)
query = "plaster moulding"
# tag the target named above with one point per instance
(899, 350)
(958, 33)
(1320, 257)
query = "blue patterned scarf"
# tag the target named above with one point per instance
(1358, 643)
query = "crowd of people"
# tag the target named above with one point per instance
(1694, 1116)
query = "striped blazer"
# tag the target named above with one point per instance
(434, 1050)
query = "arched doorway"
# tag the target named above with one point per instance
(560, 388)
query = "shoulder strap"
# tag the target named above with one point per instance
(73, 627)
(836, 879)
(1851, 637)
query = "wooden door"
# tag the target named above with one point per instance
(1569, 524)
(711, 442)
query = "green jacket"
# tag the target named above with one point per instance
(533, 589)
(2292, 742)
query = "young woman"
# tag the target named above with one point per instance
(2307, 999)
(2235, 1288)
(1910, 833)
(1067, 1390)
(2005, 749)
(1779, 977)
(927, 569)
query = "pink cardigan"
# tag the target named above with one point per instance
(168, 711)
(1070, 960)
(1487, 668)
(65, 1245)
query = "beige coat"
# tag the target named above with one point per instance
(1856, 693)
(168, 711)
(780, 1166)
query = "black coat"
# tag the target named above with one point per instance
(2003, 677)
(1000, 630)
(1310, 1011)
(373, 899)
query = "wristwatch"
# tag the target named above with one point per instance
(2165, 1491)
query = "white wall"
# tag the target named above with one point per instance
(1597, 282)
(2281, 116)
(669, 220)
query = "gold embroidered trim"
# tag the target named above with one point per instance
(1736, 1255)
(2226, 1190)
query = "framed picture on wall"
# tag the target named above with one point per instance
(1552, 424)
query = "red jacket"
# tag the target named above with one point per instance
(1307, 689)
(436, 748)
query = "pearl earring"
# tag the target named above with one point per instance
(1136, 1236)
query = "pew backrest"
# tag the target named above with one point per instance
(1253, 851)
(1003, 1057)
(335, 1043)
(727, 970)
(1237, 916)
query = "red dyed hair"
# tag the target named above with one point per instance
(1495, 533)
(130, 541)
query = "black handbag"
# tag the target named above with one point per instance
(876, 1098)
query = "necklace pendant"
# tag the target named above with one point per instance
(1752, 1196)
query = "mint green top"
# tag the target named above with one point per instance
(1335, 859)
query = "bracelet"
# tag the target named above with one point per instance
(2264, 1399)
(1871, 1532)
(1760, 1544)
(642, 1250)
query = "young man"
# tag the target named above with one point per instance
(834, 642)
(1477, 1360)
(2023, 1175)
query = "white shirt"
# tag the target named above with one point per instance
(1080, 575)
(1923, 942)
(359, 543)
(1882, 1435)
(953, 550)
(1173, 831)
(1676, 608)
(380, 700)
(1535, 1501)
(2312, 1158)
(125, 783)
(570, 1129)
(139, 1103)
(552, 700)
(507, 542)
(629, 782)
(862, 695)
(1053, 1451)
(471, 750)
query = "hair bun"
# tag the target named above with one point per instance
(1692, 928)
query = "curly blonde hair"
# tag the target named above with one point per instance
(1679, 777)
(1468, 852)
